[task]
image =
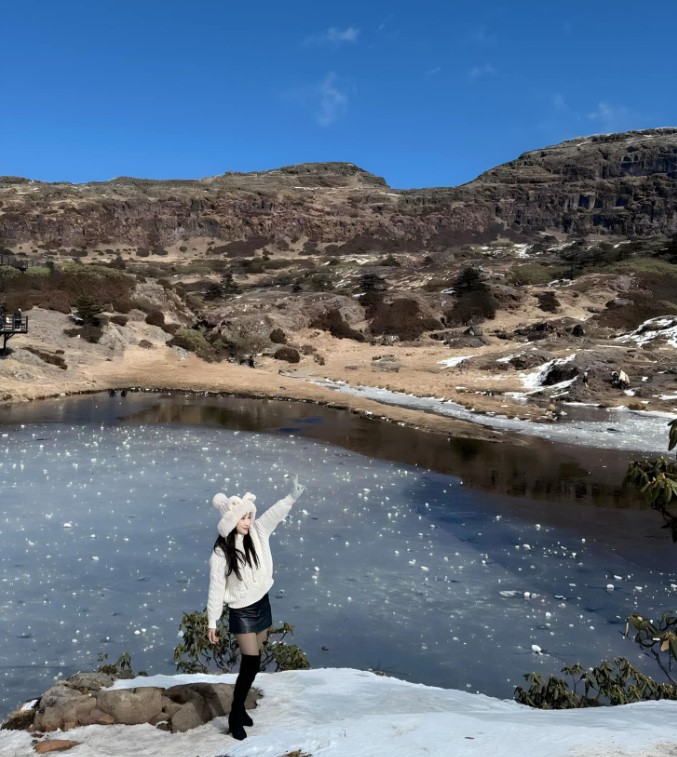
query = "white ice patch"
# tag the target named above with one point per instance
(452, 361)
(536, 378)
(640, 431)
(662, 327)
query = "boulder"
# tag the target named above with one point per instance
(177, 709)
(189, 715)
(89, 682)
(20, 719)
(218, 698)
(54, 745)
(131, 706)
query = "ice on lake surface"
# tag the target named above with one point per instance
(615, 428)
(106, 533)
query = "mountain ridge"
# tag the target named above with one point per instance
(612, 185)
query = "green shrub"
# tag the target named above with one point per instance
(194, 341)
(277, 336)
(245, 346)
(91, 333)
(121, 668)
(609, 683)
(287, 353)
(656, 479)
(195, 654)
(532, 273)
(318, 282)
(472, 307)
(333, 322)
(155, 318)
(402, 318)
(547, 302)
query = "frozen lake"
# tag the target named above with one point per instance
(107, 528)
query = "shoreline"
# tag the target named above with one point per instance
(426, 377)
(429, 416)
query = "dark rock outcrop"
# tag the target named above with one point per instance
(616, 184)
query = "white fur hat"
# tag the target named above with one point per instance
(229, 506)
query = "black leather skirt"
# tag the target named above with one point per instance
(252, 619)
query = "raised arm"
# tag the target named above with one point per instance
(269, 521)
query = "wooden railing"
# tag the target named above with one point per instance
(11, 325)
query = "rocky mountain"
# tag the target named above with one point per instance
(616, 184)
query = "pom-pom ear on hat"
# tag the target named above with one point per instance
(226, 505)
(220, 502)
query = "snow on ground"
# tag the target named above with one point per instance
(534, 380)
(664, 327)
(639, 431)
(343, 712)
(453, 361)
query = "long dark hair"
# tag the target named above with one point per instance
(234, 556)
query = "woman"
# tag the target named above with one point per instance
(240, 576)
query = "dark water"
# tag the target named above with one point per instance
(531, 468)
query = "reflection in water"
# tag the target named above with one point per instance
(534, 468)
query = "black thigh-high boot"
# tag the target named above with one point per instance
(252, 671)
(249, 667)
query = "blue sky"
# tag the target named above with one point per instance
(427, 93)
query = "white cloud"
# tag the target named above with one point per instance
(333, 100)
(560, 104)
(478, 72)
(333, 36)
(483, 36)
(433, 71)
(610, 117)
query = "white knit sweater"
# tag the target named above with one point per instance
(256, 581)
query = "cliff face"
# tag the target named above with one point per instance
(622, 184)
(617, 184)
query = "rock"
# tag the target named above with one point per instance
(131, 706)
(96, 717)
(188, 716)
(62, 712)
(89, 682)
(387, 364)
(57, 694)
(529, 360)
(217, 697)
(621, 184)
(183, 693)
(20, 719)
(169, 707)
(54, 745)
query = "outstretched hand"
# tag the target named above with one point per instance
(296, 488)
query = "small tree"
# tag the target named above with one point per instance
(469, 280)
(196, 655)
(657, 481)
(88, 309)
